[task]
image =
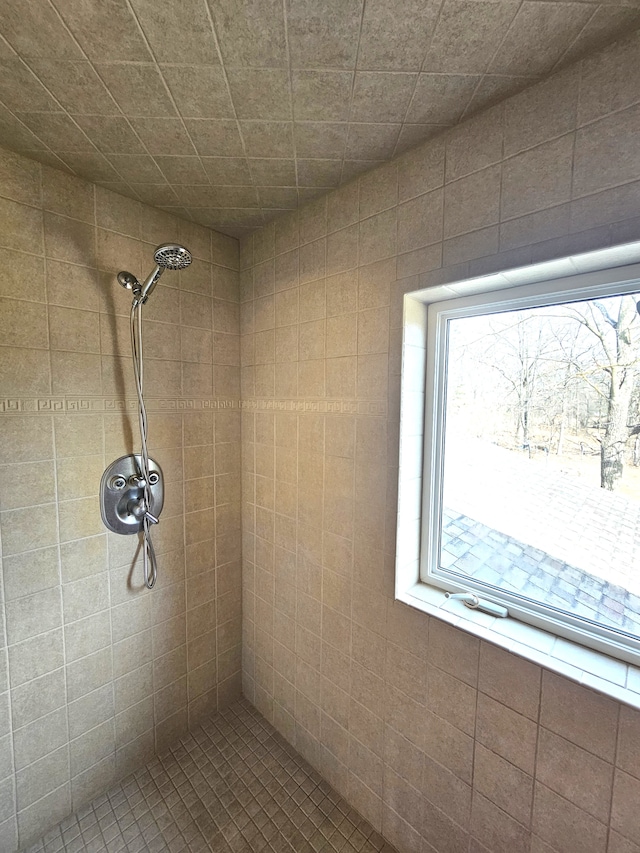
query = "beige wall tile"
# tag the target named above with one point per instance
(26, 484)
(439, 830)
(577, 775)
(421, 170)
(312, 260)
(374, 281)
(473, 202)
(84, 597)
(420, 222)
(19, 534)
(440, 787)
(502, 783)
(35, 657)
(455, 652)
(447, 745)
(378, 237)
(87, 635)
(78, 436)
(628, 742)
(341, 293)
(534, 227)
(500, 672)
(538, 178)
(507, 733)
(79, 518)
(36, 740)
(133, 687)
(31, 572)
(83, 557)
(342, 250)
(624, 811)
(75, 373)
(21, 178)
(287, 270)
(22, 227)
(37, 698)
(609, 143)
(475, 144)
(72, 286)
(69, 240)
(608, 80)
(134, 722)
(40, 778)
(373, 331)
(542, 112)
(88, 674)
(342, 207)
(312, 220)
(32, 615)
(92, 747)
(24, 371)
(23, 324)
(24, 268)
(495, 829)
(451, 699)
(564, 825)
(378, 190)
(77, 477)
(584, 717)
(68, 195)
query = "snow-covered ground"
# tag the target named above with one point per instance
(592, 529)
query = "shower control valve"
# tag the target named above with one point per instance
(127, 501)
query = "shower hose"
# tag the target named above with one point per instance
(148, 553)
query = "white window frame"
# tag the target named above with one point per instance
(600, 657)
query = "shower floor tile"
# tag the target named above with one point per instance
(233, 785)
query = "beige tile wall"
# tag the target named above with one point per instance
(95, 671)
(443, 742)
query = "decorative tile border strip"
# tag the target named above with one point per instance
(107, 405)
(341, 407)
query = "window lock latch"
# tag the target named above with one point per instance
(471, 600)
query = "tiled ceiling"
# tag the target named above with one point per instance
(230, 111)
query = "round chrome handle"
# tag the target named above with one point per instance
(117, 483)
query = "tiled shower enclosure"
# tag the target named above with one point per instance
(273, 383)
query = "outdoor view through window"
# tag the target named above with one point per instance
(541, 468)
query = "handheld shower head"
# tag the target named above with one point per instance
(172, 257)
(169, 256)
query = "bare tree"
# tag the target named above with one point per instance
(613, 322)
(529, 365)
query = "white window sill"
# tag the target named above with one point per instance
(610, 676)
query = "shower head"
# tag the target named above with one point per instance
(169, 256)
(172, 257)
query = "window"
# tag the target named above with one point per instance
(519, 487)
(533, 455)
